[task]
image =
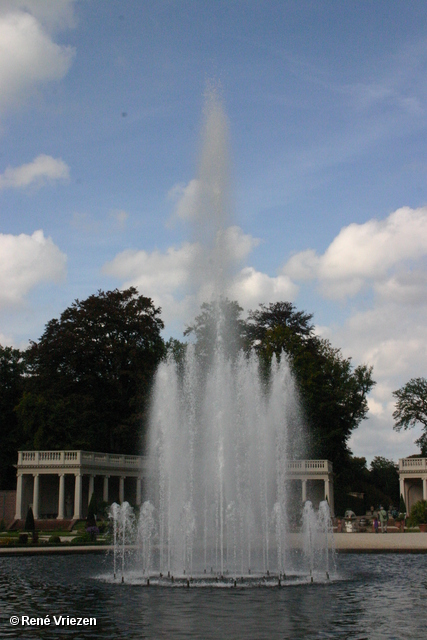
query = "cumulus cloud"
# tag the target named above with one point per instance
(41, 170)
(28, 55)
(187, 199)
(180, 279)
(251, 287)
(52, 14)
(25, 262)
(390, 336)
(367, 254)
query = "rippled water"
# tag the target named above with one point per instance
(374, 596)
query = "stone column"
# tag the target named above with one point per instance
(122, 489)
(329, 495)
(105, 492)
(61, 497)
(424, 488)
(91, 487)
(36, 494)
(304, 490)
(18, 510)
(78, 497)
(138, 491)
(402, 489)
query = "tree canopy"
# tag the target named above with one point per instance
(90, 374)
(218, 320)
(411, 409)
(12, 369)
(333, 393)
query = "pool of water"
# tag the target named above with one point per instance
(371, 596)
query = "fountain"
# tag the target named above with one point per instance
(122, 518)
(221, 430)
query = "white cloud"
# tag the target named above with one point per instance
(41, 170)
(251, 287)
(28, 55)
(180, 279)
(52, 14)
(188, 199)
(365, 254)
(25, 262)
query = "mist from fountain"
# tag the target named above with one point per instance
(221, 429)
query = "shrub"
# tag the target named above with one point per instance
(23, 538)
(55, 539)
(91, 512)
(83, 538)
(418, 513)
(30, 525)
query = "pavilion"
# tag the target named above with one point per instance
(59, 484)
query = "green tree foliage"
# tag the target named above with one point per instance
(333, 393)
(402, 505)
(12, 370)
(90, 374)
(385, 476)
(411, 409)
(218, 320)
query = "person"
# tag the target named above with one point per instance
(383, 519)
(375, 524)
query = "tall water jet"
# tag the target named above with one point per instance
(220, 427)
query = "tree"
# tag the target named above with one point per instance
(90, 374)
(12, 372)
(218, 322)
(385, 476)
(411, 409)
(277, 314)
(333, 393)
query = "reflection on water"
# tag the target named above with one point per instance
(375, 596)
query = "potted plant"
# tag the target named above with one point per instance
(418, 515)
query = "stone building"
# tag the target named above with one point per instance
(59, 484)
(413, 480)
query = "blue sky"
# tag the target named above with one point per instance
(100, 117)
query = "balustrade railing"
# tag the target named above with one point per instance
(413, 464)
(74, 458)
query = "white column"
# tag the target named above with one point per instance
(36, 494)
(61, 497)
(91, 487)
(304, 490)
(138, 491)
(402, 489)
(78, 497)
(105, 492)
(18, 510)
(329, 495)
(122, 489)
(424, 488)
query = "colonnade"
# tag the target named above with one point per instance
(78, 492)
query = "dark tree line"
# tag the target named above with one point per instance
(86, 383)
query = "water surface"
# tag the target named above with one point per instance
(373, 596)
